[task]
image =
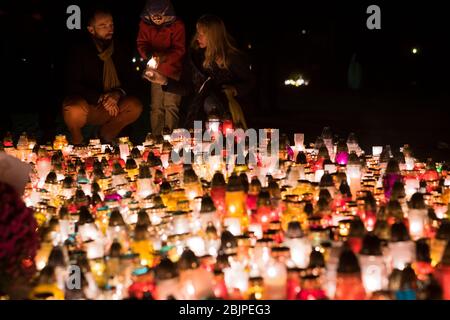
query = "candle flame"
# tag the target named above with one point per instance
(152, 63)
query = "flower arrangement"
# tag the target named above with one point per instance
(18, 239)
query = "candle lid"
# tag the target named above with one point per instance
(256, 281)
(348, 262)
(423, 251)
(165, 187)
(153, 161)
(244, 180)
(357, 228)
(228, 241)
(206, 185)
(341, 146)
(211, 230)
(309, 208)
(63, 213)
(217, 272)
(222, 260)
(263, 198)
(53, 224)
(95, 187)
(295, 270)
(158, 202)
(144, 172)
(116, 249)
(166, 147)
(275, 225)
(325, 195)
(353, 159)
(234, 183)
(280, 251)
(57, 257)
(243, 241)
(265, 241)
(309, 276)
(344, 188)
(395, 210)
(371, 245)
(96, 199)
(85, 216)
(382, 230)
(399, 232)
(188, 260)
(143, 218)
(294, 230)
(316, 259)
(68, 182)
(190, 176)
(207, 205)
(135, 153)
(116, 219)
(218, 180)
(178, 213)
(79, 195)
(301, 158)
(417, 201)
(271, 234)
(141, 233)
(150, 139)
(408, 278)
(393, 167)
(166, 270)
(323, 204)
(274, 189)
(398, 191)
(326, 180)
(51, 178)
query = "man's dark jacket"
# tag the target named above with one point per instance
(84, 70)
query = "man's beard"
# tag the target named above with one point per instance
(103, 43)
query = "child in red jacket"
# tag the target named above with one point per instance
(162, 36)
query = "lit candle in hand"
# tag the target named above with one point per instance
(152, 63)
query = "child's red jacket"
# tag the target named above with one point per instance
(167, 42)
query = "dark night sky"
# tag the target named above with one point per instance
(36, 31)
(335, 30)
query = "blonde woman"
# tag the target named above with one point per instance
(216, 75)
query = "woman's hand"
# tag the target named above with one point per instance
(155, 77)
(230, 89)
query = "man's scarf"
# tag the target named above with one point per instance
(110, 78)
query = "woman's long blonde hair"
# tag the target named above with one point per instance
(220, 44)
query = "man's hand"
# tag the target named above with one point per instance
(155, 77)
(112, 110)
(110, 101)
